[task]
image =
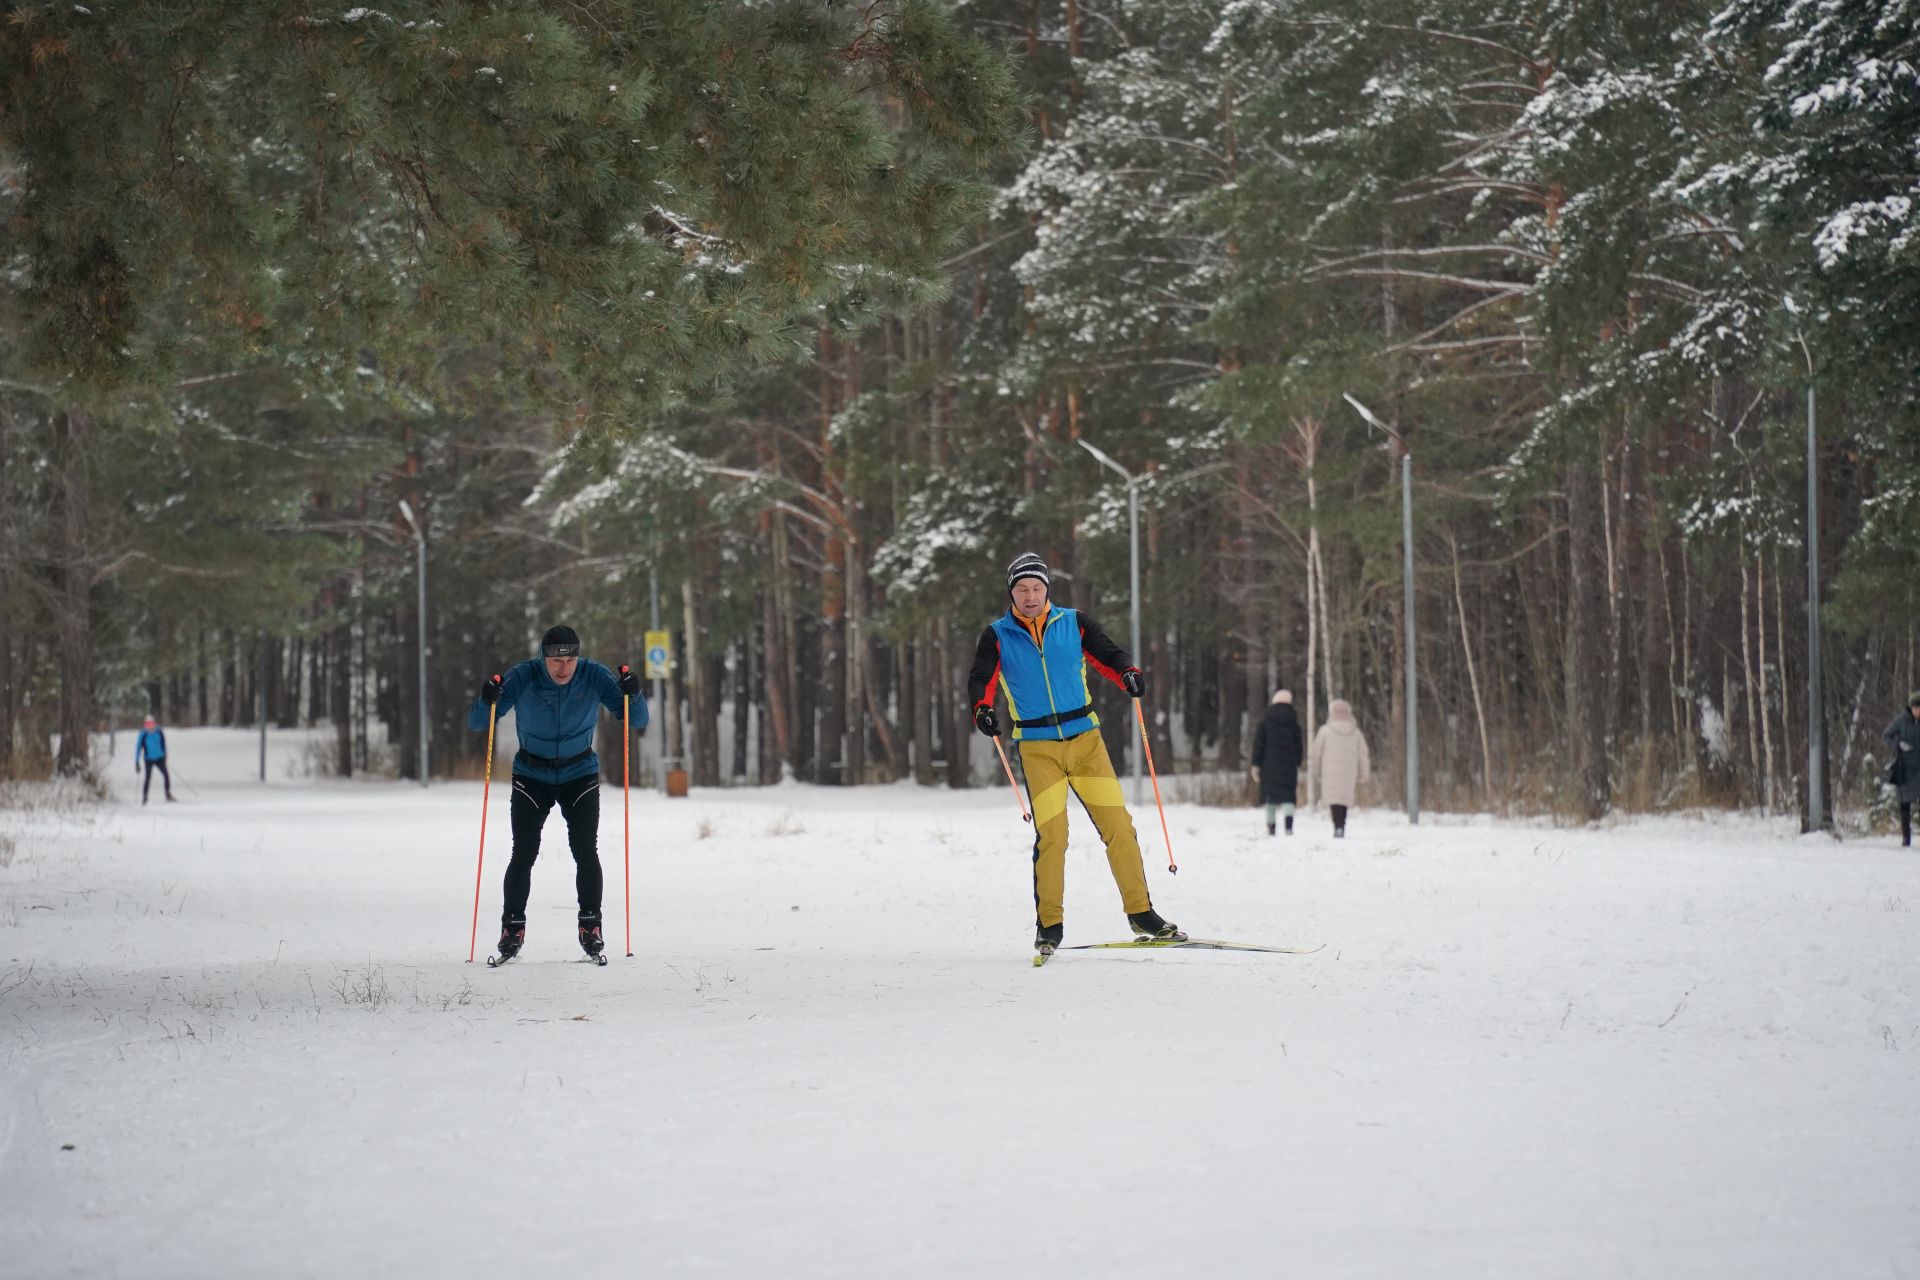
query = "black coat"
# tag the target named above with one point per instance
(1278, 749)
(1906, 729)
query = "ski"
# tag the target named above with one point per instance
(1042, 956)
(500, 962)
(1205, 944)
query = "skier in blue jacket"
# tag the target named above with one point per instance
(558, 696)
(151, 746)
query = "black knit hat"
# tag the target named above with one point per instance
(560, 642)
(1028, 565)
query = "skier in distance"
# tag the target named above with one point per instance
(151, 746)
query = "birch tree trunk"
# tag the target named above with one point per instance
(1473, 677)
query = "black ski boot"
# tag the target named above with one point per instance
(1269, 828)
(513, 935)
(590, 940)
(1289, 825)
(1047, 938)
(1148, 924)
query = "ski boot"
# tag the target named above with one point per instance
(1148, 924)
(1046, 938)
(590, 940)
(513, 935)
(1269, 828)
(1289, 821)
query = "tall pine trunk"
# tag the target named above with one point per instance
(340, 682)
(1589, 659)
(75, 623)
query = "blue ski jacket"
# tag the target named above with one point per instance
(556, 721)
(151, 744)
(1045, 682)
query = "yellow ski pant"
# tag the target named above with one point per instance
(1080, 763)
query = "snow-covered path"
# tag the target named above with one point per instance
(1667, 1048)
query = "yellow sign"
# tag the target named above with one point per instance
(659, 654)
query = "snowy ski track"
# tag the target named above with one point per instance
(1660, 1048)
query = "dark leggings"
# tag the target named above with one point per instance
(1906, 824)
(579, 801)
(166, 779)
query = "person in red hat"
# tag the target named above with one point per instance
(151, 747)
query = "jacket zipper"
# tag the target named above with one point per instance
(1047, 679)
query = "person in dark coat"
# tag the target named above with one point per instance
(1278, 749)
(1903, 735)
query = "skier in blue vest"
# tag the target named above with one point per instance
(1038, 654)
(558, 697)
(151, 746)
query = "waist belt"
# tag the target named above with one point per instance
(1055, 720)
(551, 762)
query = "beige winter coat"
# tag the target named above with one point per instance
(1339, 759)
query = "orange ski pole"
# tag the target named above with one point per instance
(626, 819)
(1173, 868)
(1017, 797)
(473, 937)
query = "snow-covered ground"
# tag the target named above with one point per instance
(239, 1038)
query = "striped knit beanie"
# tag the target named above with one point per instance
(1028, 565)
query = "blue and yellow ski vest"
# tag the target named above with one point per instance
(1045, 681)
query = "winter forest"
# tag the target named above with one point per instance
(779, 326)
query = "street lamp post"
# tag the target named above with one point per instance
(1133, 580)
(1816, 713)
(420, 536)
(1413, 669)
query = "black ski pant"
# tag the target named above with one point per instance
(166, 779)
(579, 802)
(1906, 824)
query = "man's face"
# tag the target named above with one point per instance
(561, 669)
(1029, 597)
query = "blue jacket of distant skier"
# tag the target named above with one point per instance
(555, 722)
(151, 744)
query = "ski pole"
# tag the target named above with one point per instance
(473, 936)
(1017, 797)
(1173, 868)
(626, 819)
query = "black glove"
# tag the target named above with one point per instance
(1133, 682)
(490, 690)
(629, 682)
(984, 721)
